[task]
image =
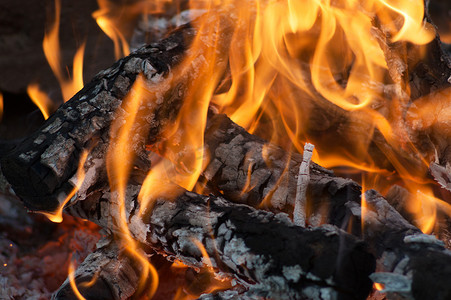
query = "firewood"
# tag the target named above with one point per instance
(40, 167)
(40, 174)
(107, 273)
(401, 249)
(262, 251)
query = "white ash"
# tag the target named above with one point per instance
(292, 273)
(394, 283)
(57, 155)
(41, 138)
(424, 239)
(299, 214)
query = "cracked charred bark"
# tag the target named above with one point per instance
(264, 252)
(41, 168)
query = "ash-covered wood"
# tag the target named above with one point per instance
(263, 251)
(107, 273)
(41, 169)
(410, 264)
(401, 249)
(247, 169)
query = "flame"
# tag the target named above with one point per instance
(214, 285)
(183, 141)
(52, 53)
(72, 281)
(1, 106)
(57, 216)
(177, 264)
(121, 47)
(115, 20)
(378, 286)
(119, 166)
(41, 99)
(291, 64)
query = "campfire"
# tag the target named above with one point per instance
(285, 149)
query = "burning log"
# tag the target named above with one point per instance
(300, 263)
(107, 273)
(401, 249)
(243, 168)
(41, 176)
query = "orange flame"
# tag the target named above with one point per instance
(378, 286)
(57, 216)
(115, 20)
(52, 53)
(41, 99)
(119, 165)
(72, 281)
(287, 60)
(1, 106)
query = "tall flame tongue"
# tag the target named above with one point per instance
(53, 55)
(119, 165)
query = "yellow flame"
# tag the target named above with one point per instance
(72, 281)
(52, 53)
(115, 19)
(57, 216)
(287, 60)
(378, 286)
(121, 47)
(205, 257)
(119, 165)
(41, 99)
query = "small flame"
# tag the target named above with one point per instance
(72, 281)
(52, 53)
(378, 286)
(177, 264)
(57, 216)
(1, 106)
(216, 283)
(41, 99)
(115, 18)
(205, 257)
(121, 47)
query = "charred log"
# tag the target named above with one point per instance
(107, 273)
(297, 263)
(401, 249)
(40, 168)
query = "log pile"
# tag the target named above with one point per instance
(245, 224)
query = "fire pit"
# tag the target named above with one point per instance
(201, 156)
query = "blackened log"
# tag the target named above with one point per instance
(263, 251)
(401, 249)
(107, 273)
(247, 169)
(410, 264)
(41, 168)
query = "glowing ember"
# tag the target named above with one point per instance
(378, 286)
